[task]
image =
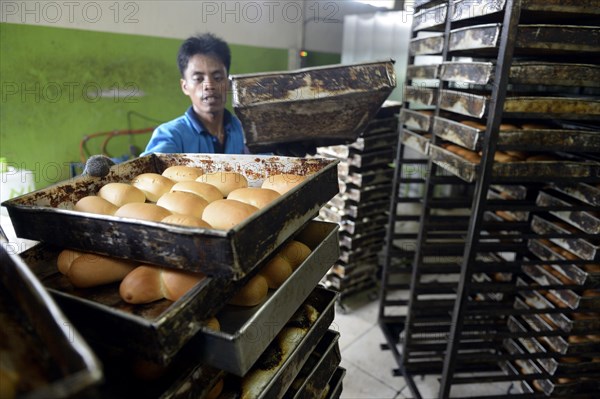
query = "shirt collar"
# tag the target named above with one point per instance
(198, 126)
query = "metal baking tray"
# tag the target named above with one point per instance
(531, 73)
(381, 125)
(342, 270)
(364, 226)
(541, 139)
(428, 18)
(587, 193)
(324, 301)
(531, 39)
(433, 44)
(336, 384)
(522, 216)
(328, 105)
(469, 171)
(362, 146)
(375, 176)
(316, 373)
(465, 9)
(369, 193)
(359, 210)
(416, 141)
(416, 120)
(585, 249)
(420, 96)
(40, 346)
(246, 332)
(422, 71)
(380, 157)
(47, 215)
(363, 254)
(477, 105)
(357, 241)
(588, 222)
(571, 271)
(531, 344)
(352, 280)
(515, 191)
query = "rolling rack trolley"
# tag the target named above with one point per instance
(503, 295)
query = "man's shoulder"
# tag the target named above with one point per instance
(177, 124)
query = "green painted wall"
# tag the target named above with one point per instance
(52, 80)
(316, 58)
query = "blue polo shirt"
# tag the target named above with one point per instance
(186, 134)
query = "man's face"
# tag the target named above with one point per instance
(205, 83)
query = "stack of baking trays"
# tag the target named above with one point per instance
(361, 208)
(199, 345)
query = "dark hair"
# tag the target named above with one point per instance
(207, 44)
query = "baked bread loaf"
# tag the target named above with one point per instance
(95, 204)
(258, 197)
(179, 173)
(276, 271)
(143, 211)
(252, 293)
(223, 214)
(185, 220)
(153, 185)
(226, 182)
(90, 270)
(207, 191)
(294, 252)
(146, 284)
(120, 194)
(282, 182)
(183, 203)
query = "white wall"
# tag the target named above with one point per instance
(264, 23)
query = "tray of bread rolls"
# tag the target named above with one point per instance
(42, 354)
(583, 274)
(238, 236)
(156, 311)
(523, 72)
(514, 191)
(277, 367)
(418, 141)
(245, 332)
(522, 216)
(477, 104)
(470, 134)
(465, 164)
(541, 39)
(588, 249)
(586, 221)
(313, 379)
(416, 120)
(336, 384)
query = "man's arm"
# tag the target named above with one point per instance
(163, 140)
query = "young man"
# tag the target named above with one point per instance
(206, 127)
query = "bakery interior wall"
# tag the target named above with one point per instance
(72, 69)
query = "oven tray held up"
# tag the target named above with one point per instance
(47, 215)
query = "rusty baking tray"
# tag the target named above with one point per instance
(324, 301)
(329, 105)
(419, 96)
(571, 271)
(363, 146)
(336, 384)
(515, 191)
(416, 120)
(416, 141)
(426, 45)
(363, 254)
(541, 139)
(343, 270)
(316, 373)
(364, 226)
(39, 347)
(477, 105)
(571, 298)
(246, 332)
(375, 176)
(358, 210)
(469, 171)
(429, 18)
(357, 241)
(531, 73)
(587, 193)
(531, 39)
(352, 280)
(47, 215)
(522, 216)
(369, 193)
(429, 71)
(588, 222)
(585, 249)
(380, 157)
(465, 9)
(379, 126)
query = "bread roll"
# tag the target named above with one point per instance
(476, 125)
(252, 293)
(90, 270)
(520, 155)
(95, 204)
(207, 191)
(147, 370)
(9, 381)
(541, 157)
(508, 127)
(121, 193)
(183, 203)
(179, 173)
(276, 271)
(213, 324)
(143, 211)
(223, 214)
(294, 252)
(500, 156)
(65, 259)
(216, 390)
(185, 220)
(282, 182)
(226, 182)
(146, 284)
(153, 185)
(535, 126)
(258, 197)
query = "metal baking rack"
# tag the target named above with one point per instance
(495, 306)
(360, 208)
